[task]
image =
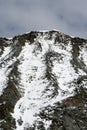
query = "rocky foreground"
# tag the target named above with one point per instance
(43, 82)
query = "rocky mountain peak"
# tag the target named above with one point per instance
(43, 83)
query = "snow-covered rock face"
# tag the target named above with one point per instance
(45, 76)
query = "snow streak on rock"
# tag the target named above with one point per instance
(5, 67)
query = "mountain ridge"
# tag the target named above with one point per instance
(43, 82)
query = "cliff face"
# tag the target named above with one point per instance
(43, 82)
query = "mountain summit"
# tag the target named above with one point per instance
(43, 82)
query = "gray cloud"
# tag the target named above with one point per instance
(20, 16)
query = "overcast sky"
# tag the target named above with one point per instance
(20, 16)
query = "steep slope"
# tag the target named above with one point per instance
(43, 84)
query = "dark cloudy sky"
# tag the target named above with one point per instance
(20, 16)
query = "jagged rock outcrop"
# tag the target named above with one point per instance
(43, 82)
